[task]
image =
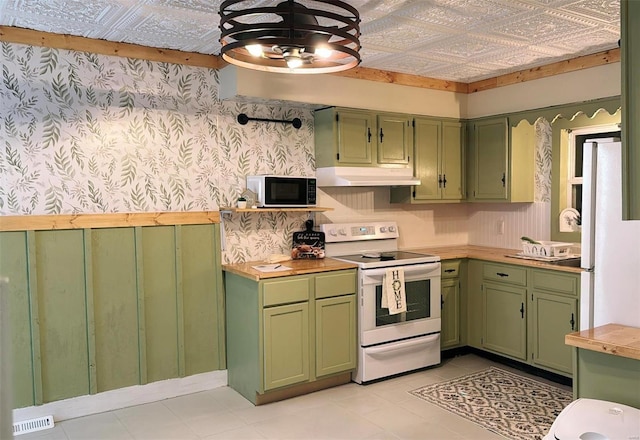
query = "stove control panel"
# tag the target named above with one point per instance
(377, 230)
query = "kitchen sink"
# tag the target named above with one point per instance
(570, 262)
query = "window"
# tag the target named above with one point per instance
(577, 138)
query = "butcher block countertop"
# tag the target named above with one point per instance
(298, 267)
(489, 254)
(614, 339)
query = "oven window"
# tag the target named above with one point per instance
(418, 304)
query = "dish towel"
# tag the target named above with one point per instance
(393, 295)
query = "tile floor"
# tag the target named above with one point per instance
(381, 410)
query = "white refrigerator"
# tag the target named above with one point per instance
(610, 281)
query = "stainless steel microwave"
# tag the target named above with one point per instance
(283, 191)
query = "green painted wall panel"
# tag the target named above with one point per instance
(160, 302)
(62, 314)
(13, 265)
(115, 307)
(199, 299)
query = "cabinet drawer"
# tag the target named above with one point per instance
(335, 284)
(555, 282)
(505, 274)
(450, 269)
(285, 291)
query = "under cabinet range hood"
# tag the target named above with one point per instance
(365, 176)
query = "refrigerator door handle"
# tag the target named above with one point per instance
(588, 215)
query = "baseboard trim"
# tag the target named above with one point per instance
(123, 397)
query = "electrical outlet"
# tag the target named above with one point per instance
(501, 227)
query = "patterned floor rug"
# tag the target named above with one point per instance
(513, 406)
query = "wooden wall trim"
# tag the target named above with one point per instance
(403, 79)
(83, 44)
(117, 220)
(583, 62)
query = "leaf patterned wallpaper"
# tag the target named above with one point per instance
(89, 133)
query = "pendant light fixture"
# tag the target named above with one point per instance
(321, 36)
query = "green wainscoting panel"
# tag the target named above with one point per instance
(61, 300)
(13, 265)
(200, 302)
(115, 307)
(99, 309)
(160, 302)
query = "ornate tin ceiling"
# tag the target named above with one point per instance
(457, 40)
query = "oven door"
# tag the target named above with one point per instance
(422, 288)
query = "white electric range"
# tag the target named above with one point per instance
(389, 344)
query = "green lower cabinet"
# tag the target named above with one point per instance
(522, 313)
(288, 332)
(450, 313)
(286, 345)
(505, 323)
(335, 335)
(553, 316)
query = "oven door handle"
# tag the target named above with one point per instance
(429, 269)
(388, 348)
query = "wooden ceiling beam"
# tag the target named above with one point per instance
(46, 39)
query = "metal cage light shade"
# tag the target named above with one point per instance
(290, 37)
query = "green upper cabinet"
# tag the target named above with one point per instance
(351, 137)
(438, 163)
(344, 137)
(502, 160)
(393, 136)
(630, 56)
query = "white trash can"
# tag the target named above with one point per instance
(591, 419)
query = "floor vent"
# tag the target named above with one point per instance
(33, 425)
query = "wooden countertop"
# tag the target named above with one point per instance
(614, 339)
(301, 267)
(298, 267)
(490, 254)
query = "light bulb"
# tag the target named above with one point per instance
(254, 49)
(323, 52)
(294, 62)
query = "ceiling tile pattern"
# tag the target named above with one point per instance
(456, 40)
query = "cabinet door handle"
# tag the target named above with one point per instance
(381, 135)
(449, 270)
(441, 302)
(572, 322)
(439, 180)
(502, 274)
(522, 310)
(369, 134)
(503, 179)
(444, 180)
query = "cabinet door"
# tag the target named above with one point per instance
(450, 335)
(553, 317)
(474, 304)
(393, 139)
(491, 148)
(335, 335)
(451, 161)
(355, 134)
(426, 150)
(286, 345)
(630, 38)
(505, 318)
